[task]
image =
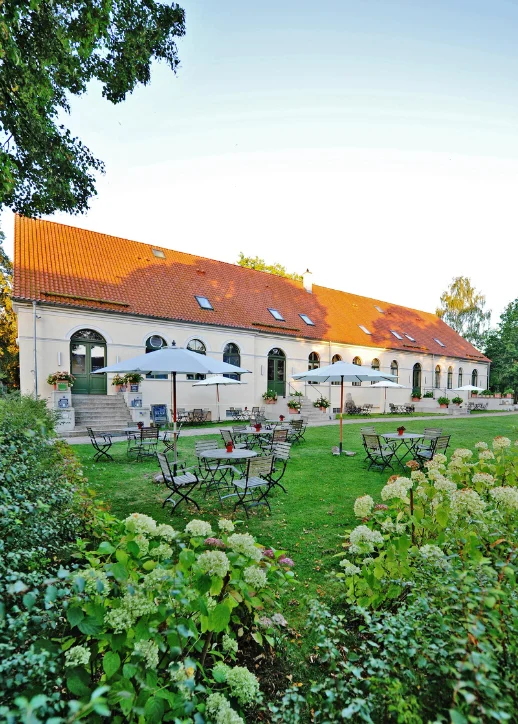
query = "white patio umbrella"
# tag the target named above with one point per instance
(218, 380)
(387, 384)
(468, 388)
(342, 372)
(175, 361)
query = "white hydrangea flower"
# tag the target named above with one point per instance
(444, 485)
(149, 651)
(481, 445)
(349, 568)
(462, 453)
(210, 602)
(143, 543)
(140, 523)
(486, 455)
(433, 555)
(77, 656)
(368, 561)
(131, 607)
(220, 710)
(387, 526)
(229, 644)
(198, 528)
(162, 551)
(439, 458)
(500, 442)
(96, 581)
(244, 685)
(483, 478)
(255, 577)
(215, 563)
(245, 543)
(167, 532)
(365, 539)
(466, 503)
(418, 476)
(156, 578)
(456, 464)
(227, 526)
(363, 506)
(397, 489)
(279, 619)
(505, 496)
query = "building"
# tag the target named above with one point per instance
(85, 300)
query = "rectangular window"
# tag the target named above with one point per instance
(439, 342)
(204, 302)
(409, 337)
(363, 329)
(396, 334)
(276, 315)
(305, 318)
(380, 310)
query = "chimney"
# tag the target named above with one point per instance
(307, 281)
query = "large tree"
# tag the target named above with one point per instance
(463, 309)
(9, 371)
(254, 262)
(502, 350)
(50, 50)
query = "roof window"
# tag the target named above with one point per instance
(158, 253)
(380, 310)
(363, 329)
(306, 319)
(409, 337)
(439, 342)
(396, 334)
(276, 315)
(204, 302)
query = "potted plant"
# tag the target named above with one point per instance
(61, 380)
(428, 395)
(270, 397)
(486, 393)
(133, 379)
(457, 401)
(323, 403)
(416, 394)
(509, 392)
(294, 404)
(401, 430)
(119, 382)
(443, 401)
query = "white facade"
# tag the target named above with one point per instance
(126, 337)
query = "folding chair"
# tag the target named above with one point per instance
(429, 435)
(228, 437)
(143, 443)
(168, 438)
(256, 481)
(213, 472)
(281, 455)
(369, 430)
(378, 453)
(439, 444)
(179, 485)
(101, 447)
(269, 442)
(296, 430)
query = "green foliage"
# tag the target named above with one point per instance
(269, 395)
(502, 350)
(9, 363)
(457, 400)
(118, 380)
(462, 307)
(254, 262)
(487, 393)
(443, 400)
(428, 395)
(50, 51)
(322, 402)
(60, 376)
(134, 378)
(416, 392)
(294, 403)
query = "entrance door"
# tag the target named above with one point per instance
(277, 371)
(88, 354)
(416, 377)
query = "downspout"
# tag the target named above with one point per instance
(35, 317)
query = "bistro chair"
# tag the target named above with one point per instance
(438, 444)
(252, 489)
(143, 443)
(378, 453)
(100, 445)
(179, 485)
(278, 436)
(429, 435)
(296, 430)
(281, 455)
(168, 438)
(228, 437)
(212, 472)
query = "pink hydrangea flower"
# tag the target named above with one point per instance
(269, 553)
(217, 542)
(381, 506)
(284, 561)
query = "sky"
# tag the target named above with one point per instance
(374, 142)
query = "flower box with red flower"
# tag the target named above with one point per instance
(401, 430)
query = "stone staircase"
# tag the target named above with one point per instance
(313, 414)
(100, 412)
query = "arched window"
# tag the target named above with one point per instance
(313, 364)
(357, 361)
(474, 378)
(152, 344)
(196, 345)
(450, 378)
(232, 356)
(437, 380)
(460, 378)
(394, 370)
(336, 358)
(375, 365)
(416, 377)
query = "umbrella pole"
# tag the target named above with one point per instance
(217, 397)
(341, 411)
(175, 437)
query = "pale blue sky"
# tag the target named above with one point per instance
(375, 141)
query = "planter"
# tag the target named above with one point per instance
(292, 410)
(509, 397)
(444, 406)
(322, 409)
(416, 399)
(498, 395)
(270, 402)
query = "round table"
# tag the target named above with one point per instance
(407, 440)
(253, 431)
(222, 454)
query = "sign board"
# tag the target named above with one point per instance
(159, 413)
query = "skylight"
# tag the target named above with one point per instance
(409, 337)
(363, 329)
(158, 253)
(276, 315)
(380, 310)
(439, 342)
(396, 334)
(305, 318)
(204, 302)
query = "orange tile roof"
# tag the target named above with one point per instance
(65, 265)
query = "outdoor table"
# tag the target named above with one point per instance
(406, 441)
(222, 454)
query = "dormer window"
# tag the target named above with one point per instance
(380, 310)
(439, 342)
(306, 319)
(276, 315)
(396, 334)
(204, 302)
(363, 329)
(158, 253)
(409, 337)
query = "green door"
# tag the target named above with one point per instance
(88, 354)
(277, 371)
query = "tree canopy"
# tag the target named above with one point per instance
(254, 262)
(50, 50)
(463, 309)
(9, 373)
(502, 350)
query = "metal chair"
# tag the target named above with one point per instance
(228, 437)
(144, 442)
(255, 481)
(379, 453)
(213, 472)
(352, 409)
(296, 430)
(179, 485)
(439, 444)
(281, 455)
(101, 447)
(269, 442)
(429, 435)
(168, 438)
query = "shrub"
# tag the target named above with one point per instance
(322, 402)
(457, 400)
(428, 395)
(269, 395)
(416, 392)
(443, 400)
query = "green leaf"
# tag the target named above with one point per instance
(187, 558)
(111, 663)
(75, 615)
(78, 682)
(203, 583)
(149, 565)
(154, 710)
(105, 548)
(90, 625)
(29, 600)
(133, 548)
(489, 601)
(121, 556)
(219, 618)
(257, 636)
(119, 571)
(457, 718)
(216, 586)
